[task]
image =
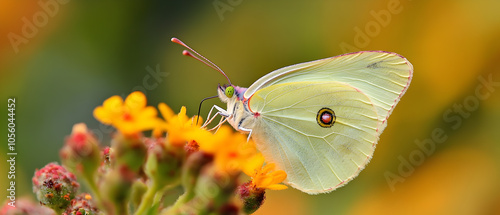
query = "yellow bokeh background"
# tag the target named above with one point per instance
(83, 52)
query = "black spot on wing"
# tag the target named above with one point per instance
(375, 65)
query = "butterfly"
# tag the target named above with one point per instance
(318, 121)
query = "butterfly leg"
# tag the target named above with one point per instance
(210, 118)
(220, 111)
(222, 121)
(246, 130)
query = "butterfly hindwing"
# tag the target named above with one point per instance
(382, 76)
(318, 155)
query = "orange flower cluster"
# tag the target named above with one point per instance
(232, 153)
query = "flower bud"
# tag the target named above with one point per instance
(214, 189)
(129, 151)
(81, 153)
(105, 167)
(191, 147)
(82, 205)
(252, 197)
(190, 202)
(54, 186)
(106, 161)
(115, 190)
(164, 164)
(195, 162)
(212, 193)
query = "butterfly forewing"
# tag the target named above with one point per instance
(382, 76)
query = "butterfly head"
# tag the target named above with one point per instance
(229, 92)
(226, 93)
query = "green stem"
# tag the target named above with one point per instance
(157, 198)
(160, 193)
(147, 199)
(188, 195)
(184, 198)
(121, 209)
(93, 188)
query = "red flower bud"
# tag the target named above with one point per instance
(252, 197)
(81, 152)
(54, 186)
(82, 204)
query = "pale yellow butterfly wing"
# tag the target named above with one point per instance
(316, 159)
(382, 76)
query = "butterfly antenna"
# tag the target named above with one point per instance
(200, 57)
(199, 108)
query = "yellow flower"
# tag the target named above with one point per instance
(130, 116)
(180, 128)
(230, 149)
(265, 177)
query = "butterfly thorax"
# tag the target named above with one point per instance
(239, 115)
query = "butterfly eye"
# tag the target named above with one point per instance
(229, 91)
(326, 117)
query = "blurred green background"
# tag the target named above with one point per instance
(78, 53)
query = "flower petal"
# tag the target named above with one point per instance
(183, 111)
(79, 128)
(253, 165)
(278, 176)
(135, 101)
(268, 167)
(157, 132)
(147, 124)
(166, 111)
(113, 103)
(104, 116)
(277, 187)
(264, 181)
(148, 112)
